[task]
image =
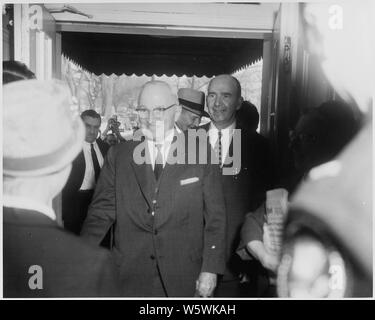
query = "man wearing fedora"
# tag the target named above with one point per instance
(192, 108)
(41, 259)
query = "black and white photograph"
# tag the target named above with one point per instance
(187, 150)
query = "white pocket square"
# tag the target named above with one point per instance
(188, 181)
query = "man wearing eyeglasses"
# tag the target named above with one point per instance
(170, 219)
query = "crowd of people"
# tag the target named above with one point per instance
(159, 216)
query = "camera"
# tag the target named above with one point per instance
(113, 123)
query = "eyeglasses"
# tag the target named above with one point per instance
(157, 112)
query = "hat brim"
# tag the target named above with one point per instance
(199, 113)
(47, 164)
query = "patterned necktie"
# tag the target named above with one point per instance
(218, 147)
(158, 168)
(95, 162)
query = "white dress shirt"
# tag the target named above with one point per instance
(26, 203)
(89, 178)
(226, 138)
(165, 146)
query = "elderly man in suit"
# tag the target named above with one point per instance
(78, 191)
(245, 175)
(40, 258)
(170, 219)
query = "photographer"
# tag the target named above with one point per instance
(111, 134)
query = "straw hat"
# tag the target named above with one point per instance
(192, 100)
(42, 134)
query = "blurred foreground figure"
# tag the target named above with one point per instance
(320, 134)
(328, 232)
(15, 71)
(41, 259)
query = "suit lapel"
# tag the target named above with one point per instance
(230, 150)
(77, 174)
(145, 177)
(167, 187)
(169, 178)
(103, 147)
(207, 128)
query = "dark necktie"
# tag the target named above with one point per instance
(95, 162)
(158, 168)
(218, 147)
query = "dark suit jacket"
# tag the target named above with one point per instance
(185, 236)
(244, 191)
(70, 267)
(73, 209)
(78, 170)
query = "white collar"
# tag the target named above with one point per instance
(168, 138)
(28, 204)
(165, 146)
(88, 144)
(230, 128)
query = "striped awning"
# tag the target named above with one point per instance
(159, 55)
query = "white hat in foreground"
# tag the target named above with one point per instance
(42, 134)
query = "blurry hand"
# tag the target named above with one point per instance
(269, 261)
(270, 243)
(206, 284)
(270, 258)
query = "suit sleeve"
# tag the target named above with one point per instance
(101, 214)
(215, 222)
(103, 146)
(108, 284)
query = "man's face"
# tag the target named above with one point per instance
(92, 128)
(223, 100)
(188, 120)
(154, 98)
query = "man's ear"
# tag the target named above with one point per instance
(177, 113)
(240, 100)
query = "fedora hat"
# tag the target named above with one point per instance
(192, 100)
(42, 134)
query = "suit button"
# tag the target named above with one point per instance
(152, 257)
